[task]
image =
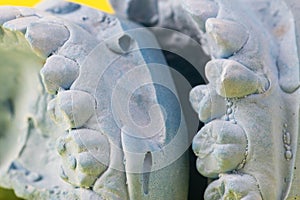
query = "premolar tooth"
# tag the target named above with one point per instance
(225, 37)
(196, 95)
(72, 108)
(232, 79)
(59, 72)
(46, 42)
(207, 103)
(201, 10)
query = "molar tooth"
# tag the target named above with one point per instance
(232, 79)
(72, 108)
(220, 147)
(201, 10)
(46, 42)
(59, 72)
(20, 24)
(225, 37)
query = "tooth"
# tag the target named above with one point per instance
(220, 147)
(90, 164)
(59, 72)
(225, 37)
(201, 10)
(233, 186)
(72, 162)
(46, 37)
(232, 79)
(85, 180)
(72, 108)
(207, 103)
(196, 95)
(8, 13)
(88, 140)
(20, 24)
(61, 146)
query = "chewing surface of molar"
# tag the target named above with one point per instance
(220, 147)
(225, 37)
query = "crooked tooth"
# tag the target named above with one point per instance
(207, 103)
(225, 37)
(20, 24)
(59, 72)
(201, 10)
(232, 79)
(72, 109)
(46, 37)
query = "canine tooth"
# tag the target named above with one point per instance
(59, 72)
(225, 37)
(201, 10)
(20, 24)
(46, 42)
(232, 79)
(72, 108)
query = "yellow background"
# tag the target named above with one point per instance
(100, 4)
